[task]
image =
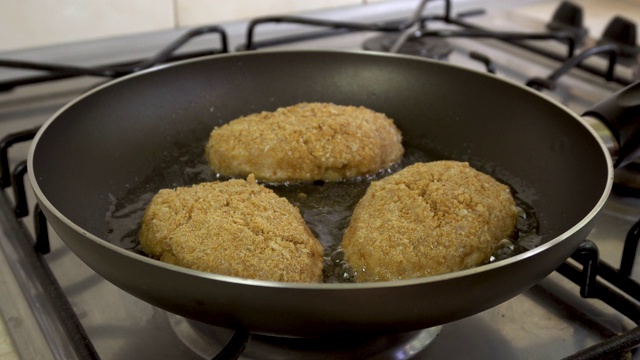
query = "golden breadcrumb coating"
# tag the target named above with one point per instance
(427, 219)
(305, 142)
(237, 228)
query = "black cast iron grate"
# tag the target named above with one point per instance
(617, 43)
(167, 54)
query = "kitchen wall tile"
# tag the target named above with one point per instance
(198, 12)
(29, 23)
(33, 23)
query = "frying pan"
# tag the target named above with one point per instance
(122, 135)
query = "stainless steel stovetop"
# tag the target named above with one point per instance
(549, 321)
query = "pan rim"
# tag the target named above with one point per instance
(317, 286)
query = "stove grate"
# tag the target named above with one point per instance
(165, 55)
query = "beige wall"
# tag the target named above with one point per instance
(31, 23)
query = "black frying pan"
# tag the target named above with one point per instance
(132, 132)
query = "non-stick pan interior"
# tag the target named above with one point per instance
(128, 132)
(136, 133)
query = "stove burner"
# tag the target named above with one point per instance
(428, 47)
(207, 341)
(568, 17)
(622, 33)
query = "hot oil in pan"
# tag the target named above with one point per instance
(325, 206)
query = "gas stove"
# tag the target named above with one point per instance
(54, 306)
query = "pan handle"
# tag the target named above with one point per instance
(621, 115)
